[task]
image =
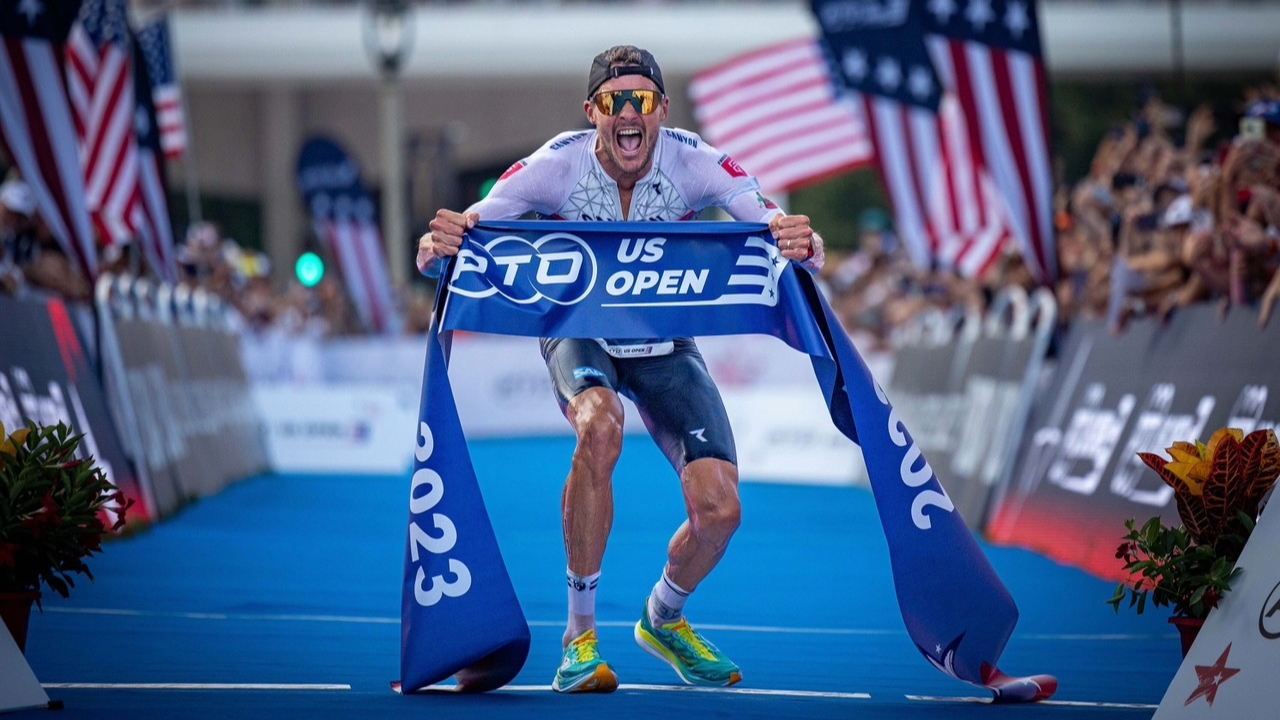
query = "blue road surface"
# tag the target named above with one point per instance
(280, 598)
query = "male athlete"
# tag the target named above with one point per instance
(631, 168)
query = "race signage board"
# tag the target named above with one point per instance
(1078, 477)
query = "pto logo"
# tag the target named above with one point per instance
(558, 267)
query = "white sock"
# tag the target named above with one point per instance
(666, 602)
(582, 603)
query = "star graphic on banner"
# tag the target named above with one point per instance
(942, 10)
(1211, 678)
(888, 74)
(919, 82)
(943, 658)
(855, 64)
(979, 14)
(30, 8)
(1015, 18)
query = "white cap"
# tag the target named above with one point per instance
(15, 195)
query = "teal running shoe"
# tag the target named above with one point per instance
(582, 670)
(695, 660)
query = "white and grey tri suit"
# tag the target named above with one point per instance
(666, 378)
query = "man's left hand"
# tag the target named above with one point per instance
(797, 240)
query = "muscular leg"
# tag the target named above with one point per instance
(710, 489)
(685, 415)
(586, 505)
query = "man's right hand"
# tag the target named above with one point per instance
(445, 237)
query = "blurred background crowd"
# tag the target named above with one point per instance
(260, 298)
(1177, 207)
(1174, 210)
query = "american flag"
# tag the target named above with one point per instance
(35, 121)
(778, 113)
(153, 38)
(948, 211)
(992, 50)
(151, 213)
(100, 84)
(350, 229)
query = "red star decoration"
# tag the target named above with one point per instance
(1211, 678)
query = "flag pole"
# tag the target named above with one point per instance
(194, 214)
(191, 182)
(189, 168)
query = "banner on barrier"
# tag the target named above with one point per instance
(784, 434)
(352, 429)
(777, 413)
(47, 378)
(1078, 475)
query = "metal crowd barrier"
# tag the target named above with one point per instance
(176, 389)
(963, 383)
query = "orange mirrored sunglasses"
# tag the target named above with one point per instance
(612, 102)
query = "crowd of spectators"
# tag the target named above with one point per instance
(33, 263)
(1165, 218)
(1173, 211)
(262, 301)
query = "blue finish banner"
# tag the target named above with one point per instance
(643, 280)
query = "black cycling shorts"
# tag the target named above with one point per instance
(677, 399)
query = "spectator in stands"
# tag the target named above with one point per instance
(48, 269)
(1257, 232)
(865, 282)
(17, 232)
(1147, 265)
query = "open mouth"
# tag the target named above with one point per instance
(628, 140)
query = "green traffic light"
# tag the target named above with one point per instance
(309, 269)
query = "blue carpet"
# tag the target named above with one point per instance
(296, 580)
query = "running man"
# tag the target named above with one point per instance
(629, 167)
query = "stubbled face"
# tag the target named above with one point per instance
(625, 141)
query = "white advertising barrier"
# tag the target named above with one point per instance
(785, 434)
(1230, 671)
(735, 360)
(334, 421)
(503, 390)
(355, 429)
(781, 426)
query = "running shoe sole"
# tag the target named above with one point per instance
(651, 645)
(603, 680)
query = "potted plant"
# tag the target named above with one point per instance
(54, 511)
(1219, 487)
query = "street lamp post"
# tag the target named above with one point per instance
(388, 38)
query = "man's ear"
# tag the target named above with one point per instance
(589, 108)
